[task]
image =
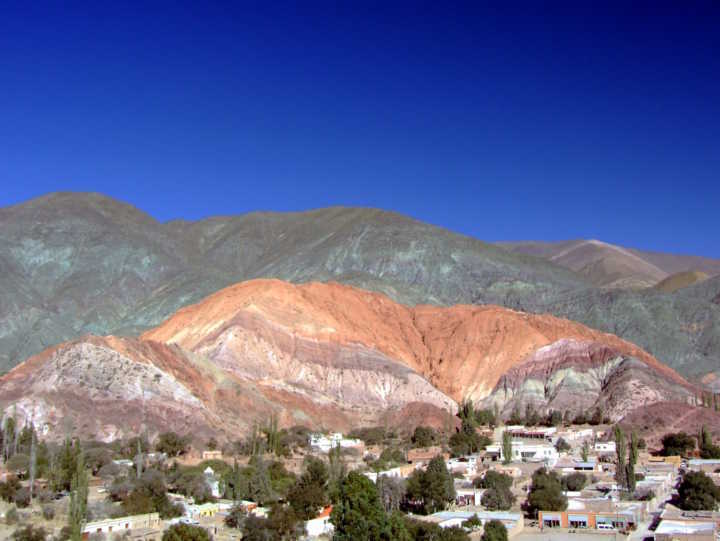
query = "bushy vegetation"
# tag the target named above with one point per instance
(498, 495)
(697, 492)
(431, 490)
(546, 493)
(678, 443)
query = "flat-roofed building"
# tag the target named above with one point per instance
(682, 530)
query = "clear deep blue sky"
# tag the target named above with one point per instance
(521, 122)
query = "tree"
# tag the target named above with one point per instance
(677, 444)
(562, 445)
(359, 513)
(554, 418)
(507, 447)
(434, 487)
(185, 532)
(632, 460)
(423, 436)
(310, 492)
(498, 499)
(494, 531)
(473, 523)
(29, 533)
(705, 443)
(621, 451)
(493, 479)
(78, 497)
(391, 491)
(172, 444)
(574, 482)
(256, 529)
(697, 492)
(284, 523)
(585, 451)
(235, 517)
(546, 493)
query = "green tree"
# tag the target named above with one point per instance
(236, 517)
(697, 492)
(78, 496)
(621, 451)
(284, 523)
(585, 451)
(424, 436)
(172, 444)
(546, 493)
(706, 446)
(310, 492)
(29, 533)
(185, 532)
(359, 513)
(677, 444)
(494, 531)
(434, 487)
(632, 460)
(498, 495)
(574, 481)
(507, 447)
(562, 445)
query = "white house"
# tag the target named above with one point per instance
(111, 526)
(605, 447)
(212, 482)
(325, 443)
(527, 452)
(320, 525)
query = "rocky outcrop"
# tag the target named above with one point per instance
(581, 376)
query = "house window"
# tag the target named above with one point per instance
(551, 523)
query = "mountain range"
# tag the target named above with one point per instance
(76, 263)
(90, 289)
(333, 356)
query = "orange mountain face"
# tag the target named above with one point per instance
(332, 356)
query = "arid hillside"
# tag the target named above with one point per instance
(328, 355)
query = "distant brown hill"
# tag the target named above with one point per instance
(609, 265)
(680, 280)
(328, 356)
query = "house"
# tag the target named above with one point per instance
(212, 482)
(320, 525)
(148, 521)
(324, 443)
(513, 522)
(707, 465)
(468, 496)
(212, 455)
(425, 454)
(535, 433)
(605, 447)
(682, 530)
(399, 472)
(527, 452)
(195, 511)
(620, 519)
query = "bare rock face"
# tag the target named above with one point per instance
(582, 375)
(328, 355)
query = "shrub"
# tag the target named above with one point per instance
(494, 531)
(48, 512)
(11, 517)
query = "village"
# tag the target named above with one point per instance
(538, 482)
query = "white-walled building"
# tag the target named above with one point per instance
(324, 442)
(605, 447)
(527, 452)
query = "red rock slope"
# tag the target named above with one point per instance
(324, 355)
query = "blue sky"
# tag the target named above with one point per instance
(526, 121)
